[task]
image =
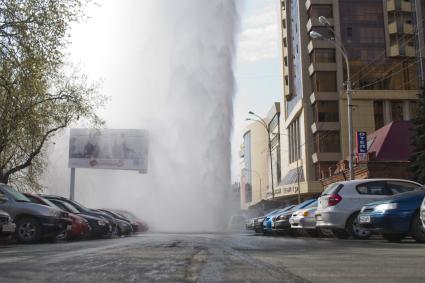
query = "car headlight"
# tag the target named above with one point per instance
(385, 206)
(101, 222)
(54, 212)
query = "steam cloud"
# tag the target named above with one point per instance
(167, 66)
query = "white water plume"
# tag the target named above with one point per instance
(167, 66)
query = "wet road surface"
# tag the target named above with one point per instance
(165, 257)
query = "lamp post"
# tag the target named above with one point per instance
(340, 47)
(266, 127)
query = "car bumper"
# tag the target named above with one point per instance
(387, 222)
(7, 229)
(101, 230)
(303, 222)
(281, 226)
(331, 219)
(54, 225)
(249, 226)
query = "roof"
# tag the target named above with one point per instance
(393, 142)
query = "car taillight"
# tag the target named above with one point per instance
(334, 199)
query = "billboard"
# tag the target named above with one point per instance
(109, 149)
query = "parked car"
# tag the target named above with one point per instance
(80, 228)
(99, 227)
(138, 224)
(305, 219)
(257, 223)
(87, 211)
(268, 220)
(33, 221)
(395, 217)
(124, 225)
(340, 204)
(280, 223)
(7, 227)
(423, 213)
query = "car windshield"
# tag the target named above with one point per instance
(313, 204)
(17, 196)
(69, 207)
(49, 203)
(77, 205)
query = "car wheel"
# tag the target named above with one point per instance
(417, 230)
(340, 234)
(28, 230)
(355, 230)
(393, 238)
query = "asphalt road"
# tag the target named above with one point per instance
(164, 257)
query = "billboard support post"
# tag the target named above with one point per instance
(72, 186)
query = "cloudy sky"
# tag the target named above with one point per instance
(257, 67)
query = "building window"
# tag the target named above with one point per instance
(397, 110)
(378, 112)
(294, 140)
(326, 142)
(323, 56)
(326, 32)
(320, 10)
(284, 24)
(326, 111)
(286, 80)
(324, 81)
(285, 61)
(285, 42)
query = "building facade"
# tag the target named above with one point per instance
(384, 43)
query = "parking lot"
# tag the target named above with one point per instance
(245, 257)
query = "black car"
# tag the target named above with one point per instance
(100, 227)
(7, 227)
(86, 211)
(124, 225)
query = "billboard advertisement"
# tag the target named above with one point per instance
(116, 149)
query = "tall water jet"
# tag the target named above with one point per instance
(169, 71)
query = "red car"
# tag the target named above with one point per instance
(80, 228)
(137, 224)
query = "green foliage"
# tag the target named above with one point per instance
(418, 158)
(39, 93)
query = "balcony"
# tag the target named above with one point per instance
(404, 51)
(323, 96)
(324, 127)
(399, 5)
(314, 22)
(308, 3)
(317, 43)
(326, 156)
(404, 28)
(321, 67)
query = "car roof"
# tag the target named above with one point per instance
(359, 181)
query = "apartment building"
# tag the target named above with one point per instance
(384, 42)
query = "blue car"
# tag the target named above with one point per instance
(395, 217)
(267, 223)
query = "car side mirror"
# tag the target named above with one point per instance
(3, 199)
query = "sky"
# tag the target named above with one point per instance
(257, 68)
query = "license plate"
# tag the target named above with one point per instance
(318, 217)
(364, 219)
(8, 228)
(69, 228)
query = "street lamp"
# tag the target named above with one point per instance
(340, 47)
(267, 128)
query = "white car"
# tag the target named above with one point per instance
(423, 213)
(341, 202)
(305, 219)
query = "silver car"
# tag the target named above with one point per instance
(341, 202)
(33, 221)
(423, 213)
(305, 219)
